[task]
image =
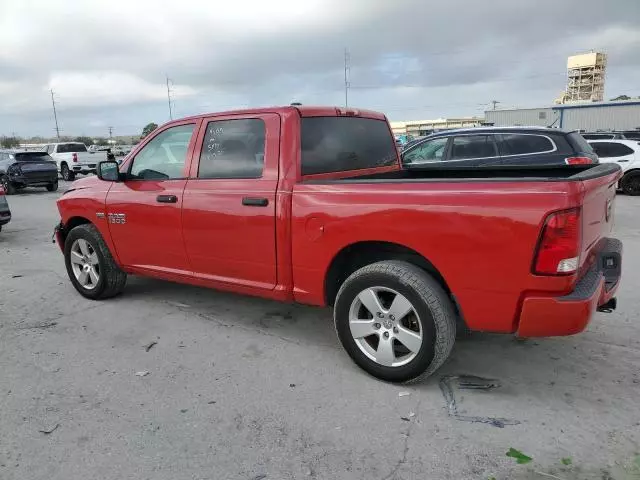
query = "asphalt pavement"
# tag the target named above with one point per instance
(171, 382)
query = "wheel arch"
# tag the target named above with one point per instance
(72, 223)
(357, 255)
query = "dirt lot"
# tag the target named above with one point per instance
(240, 388)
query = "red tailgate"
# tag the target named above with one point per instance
(598, 212)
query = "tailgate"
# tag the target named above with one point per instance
(598, 210)
(39, 167)
(91, 159)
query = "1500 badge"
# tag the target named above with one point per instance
(119, 218)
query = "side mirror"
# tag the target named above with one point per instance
(108, 171)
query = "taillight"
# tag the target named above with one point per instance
(559, 246)
(578, 161)
(74, 157)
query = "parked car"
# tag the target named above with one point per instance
(626, 153)
(5, 213)
(624, 135)
(498, 147)
(73, 158)
(310, 204)
(20, 169)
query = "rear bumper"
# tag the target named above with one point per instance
(84, 168)
(5, 217)
(570, 314)
(35, 180)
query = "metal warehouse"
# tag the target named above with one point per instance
(583, 116)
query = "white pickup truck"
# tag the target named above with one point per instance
(73, 158)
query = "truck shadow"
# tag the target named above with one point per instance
(575, 361)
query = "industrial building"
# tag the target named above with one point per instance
(591, 117)
(585, 78)
(418, 128)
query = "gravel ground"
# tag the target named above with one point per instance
(241, 388)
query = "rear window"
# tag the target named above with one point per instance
(519, 144)
(32, 157)
(597, 136)
(579, 143)
(71, 148)
(336, 144)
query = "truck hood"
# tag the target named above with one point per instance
(86, 182)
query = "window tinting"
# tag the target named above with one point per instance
(632, 135)
(164, 156)
(472, 146)
(427, 152)
(71, 148)
(336, 144)
(517, 144)
(611, 149)
(233, 149)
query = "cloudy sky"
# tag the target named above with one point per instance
(412, 59)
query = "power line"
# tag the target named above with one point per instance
(55, 115)
(169, 97)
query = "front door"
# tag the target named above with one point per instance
(229, 211)
(144, 211)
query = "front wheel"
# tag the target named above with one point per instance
(52, 187)
(66, 173)
(395, 321)
(631, 184)
(90, 266)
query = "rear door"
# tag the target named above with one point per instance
(229, 208)
(471, 150)
(145, 211)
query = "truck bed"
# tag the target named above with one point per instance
(574, 173)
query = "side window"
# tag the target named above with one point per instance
(163, 158)
(427, 152)
(620, 150)
(517, 144)
(602, 149)
(233, 149)
(610, 149)
(473, 146)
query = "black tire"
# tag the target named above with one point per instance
(8, 187)
(66, 173)
(631, 184)
(52, 187)
(112, 279)
(431, 303)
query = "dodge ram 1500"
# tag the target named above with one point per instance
(311, 204)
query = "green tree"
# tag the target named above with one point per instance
(150, 127)
(10, 142)
(621, 97)
(101, 141)
(83, 139)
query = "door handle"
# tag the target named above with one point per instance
(167, 199)
(255, 202)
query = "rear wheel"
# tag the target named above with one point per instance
(395, 321)
(90, 266)
(52, 187)
(9, 189)
(631, 184)
(66, 173)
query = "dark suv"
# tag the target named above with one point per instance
(27, 169)
(498, 146)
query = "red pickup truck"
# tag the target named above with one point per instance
(311, 205)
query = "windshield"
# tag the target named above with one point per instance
(71, 148)
(32, 157)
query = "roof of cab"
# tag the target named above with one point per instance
(303, 111)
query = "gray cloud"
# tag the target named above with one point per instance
(409, 58)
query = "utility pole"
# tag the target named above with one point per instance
(169, 97)
(55, 115)
(110, 135)
(494, 103)
(347, 72)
